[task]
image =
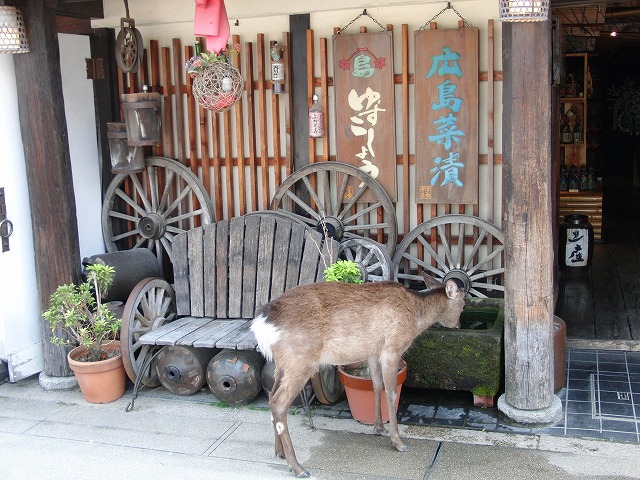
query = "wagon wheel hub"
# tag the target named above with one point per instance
(152, 226)
(460, 277)
(334, 227)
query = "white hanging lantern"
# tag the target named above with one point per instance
(13, 36)
(523, 10)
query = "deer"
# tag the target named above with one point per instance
(337, 323)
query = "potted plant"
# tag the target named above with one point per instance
(356, 378)
(79, 311)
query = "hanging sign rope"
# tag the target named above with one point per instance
(363, 14)
(448, 7)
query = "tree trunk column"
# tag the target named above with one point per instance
(529, 244)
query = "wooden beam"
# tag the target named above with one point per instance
(527, 217)
(46, 150)
(105, 96)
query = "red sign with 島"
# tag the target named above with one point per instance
(364, 99)
(446, 93)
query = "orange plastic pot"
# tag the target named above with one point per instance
(361, 397)
(100, 382)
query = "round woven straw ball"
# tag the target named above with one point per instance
(218, 87)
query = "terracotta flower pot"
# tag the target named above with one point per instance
(361, 398)
(100, 382)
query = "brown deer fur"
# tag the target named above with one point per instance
(338, 323)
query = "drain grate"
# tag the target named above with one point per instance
(612, 398)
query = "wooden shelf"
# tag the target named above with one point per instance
(583, 203)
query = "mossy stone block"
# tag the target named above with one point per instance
(467, 359)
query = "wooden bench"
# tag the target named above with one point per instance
(224, 272)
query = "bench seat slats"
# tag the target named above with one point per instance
(237, 337)
(210, 336)
(172, 337)
(151, 337)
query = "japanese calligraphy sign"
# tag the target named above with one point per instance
(365, 104)
(446, 92)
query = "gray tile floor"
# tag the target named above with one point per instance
(601, 400)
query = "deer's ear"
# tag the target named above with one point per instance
(451, 287)
(430, 282)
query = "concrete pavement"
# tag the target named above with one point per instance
(57, 435)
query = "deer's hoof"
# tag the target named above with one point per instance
(380, 429)
(280, 455)
(402, 447)
(303, 473)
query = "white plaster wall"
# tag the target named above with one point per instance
(83, 146)
(20, 339)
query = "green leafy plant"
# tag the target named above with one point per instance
(78, 310)
(343, 271)
(198, 63)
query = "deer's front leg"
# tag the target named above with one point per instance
(390, 378)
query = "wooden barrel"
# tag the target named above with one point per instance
(124, 158)
(142, 116)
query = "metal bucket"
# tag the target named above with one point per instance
(234, 375)
(124, 158)
(142, 115)
(183, 370)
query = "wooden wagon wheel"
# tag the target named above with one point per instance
(329, 193)
(149, 208)
(150, 305)
(371, 257)
(467, 249)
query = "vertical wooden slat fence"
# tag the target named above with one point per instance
(243, 154)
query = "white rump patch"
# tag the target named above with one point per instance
(266, 335)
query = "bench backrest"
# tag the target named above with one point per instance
(231, 268)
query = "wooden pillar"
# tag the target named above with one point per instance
(527, 223)
(48, 166)
(298, 26)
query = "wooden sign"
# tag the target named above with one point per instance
(446, 92)
(364, 98)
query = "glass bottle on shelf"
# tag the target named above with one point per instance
(573, 178)
(591, 179)
(571, 86)
(577, 132)
(566, 136)
(563, 181)
(583, 179)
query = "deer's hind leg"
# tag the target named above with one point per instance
(376, 378)
(288, 384)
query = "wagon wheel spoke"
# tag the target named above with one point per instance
(335, 193)
(150, 305)
(473, 255)
(148, 209)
